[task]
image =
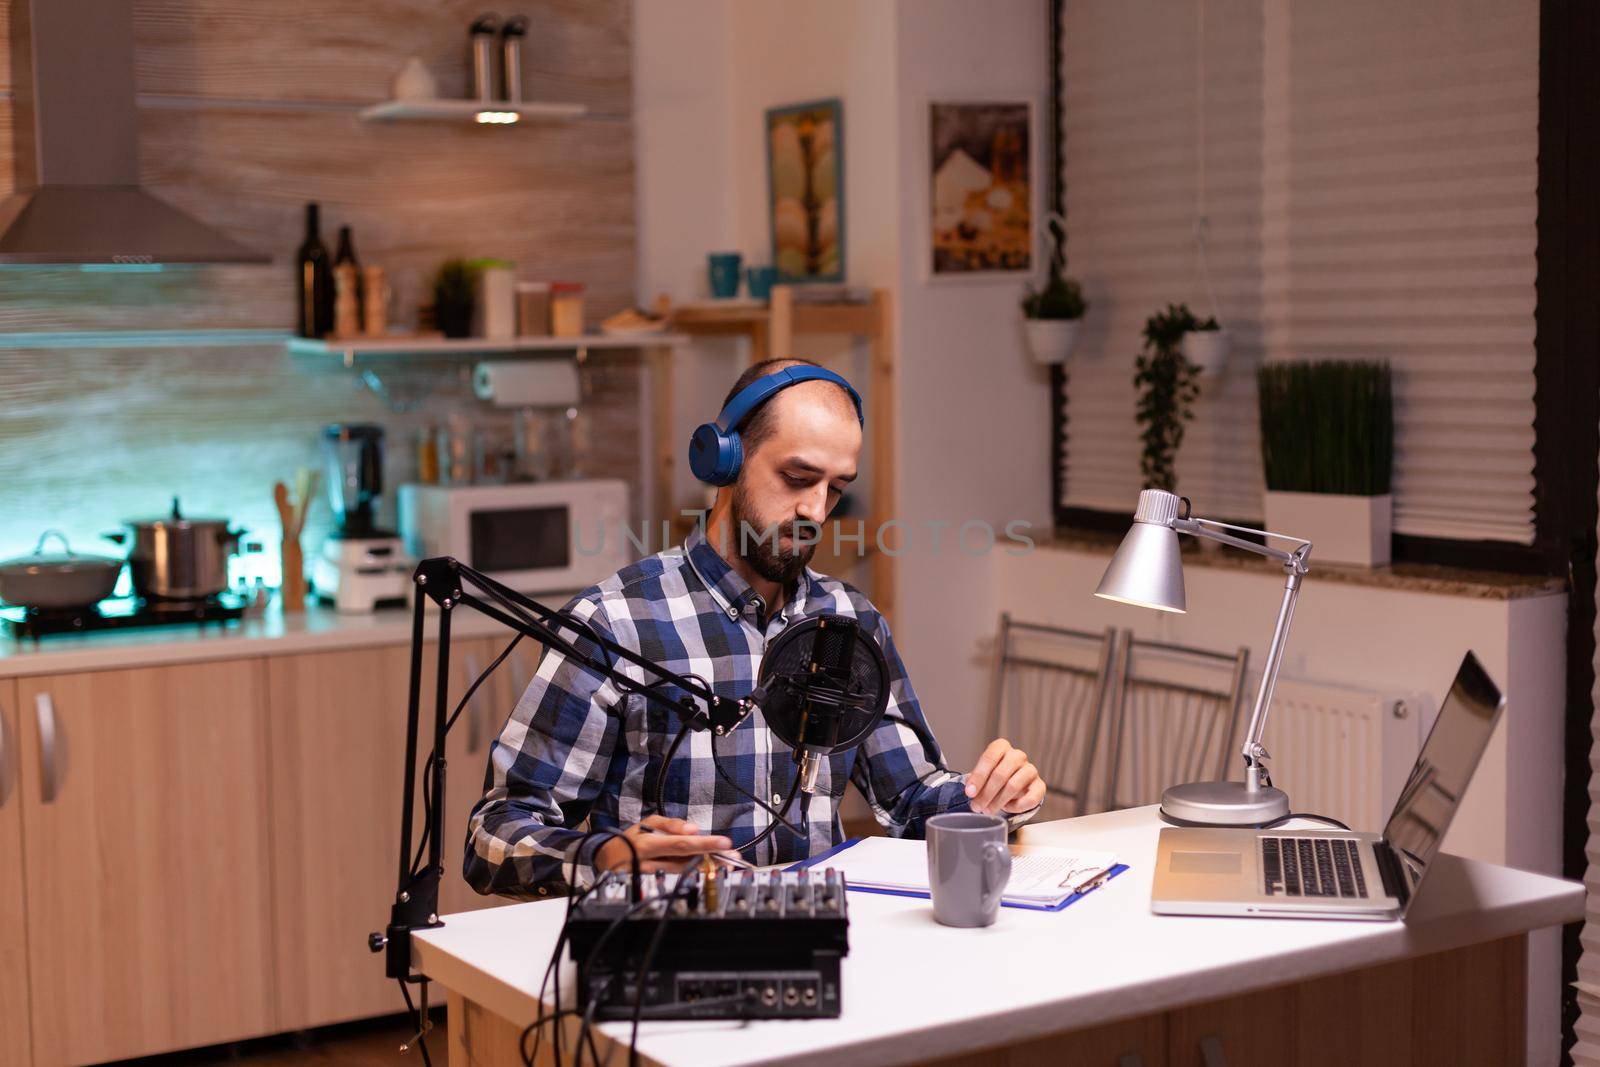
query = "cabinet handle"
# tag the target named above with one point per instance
(1211, 1054)
(474, 723)
(49, 757)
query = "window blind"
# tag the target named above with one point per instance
(1371, 179)
(1586, 1050)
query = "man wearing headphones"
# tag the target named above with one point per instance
(782, 451)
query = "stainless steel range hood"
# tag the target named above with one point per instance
(78, 198)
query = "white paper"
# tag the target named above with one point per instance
(1038, 875)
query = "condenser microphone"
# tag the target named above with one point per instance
(823, 687)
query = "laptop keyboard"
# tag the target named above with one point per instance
(1312, 867)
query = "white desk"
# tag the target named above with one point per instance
(915, 991)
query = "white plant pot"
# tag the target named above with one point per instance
(1207, 350)
(1341, 529)
(1051, 340)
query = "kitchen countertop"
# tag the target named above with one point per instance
(318, 629)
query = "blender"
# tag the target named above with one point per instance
(361, 567)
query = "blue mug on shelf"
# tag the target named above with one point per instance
(760, 281)
(723, 268)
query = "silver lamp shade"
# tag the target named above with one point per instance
(1148, 570)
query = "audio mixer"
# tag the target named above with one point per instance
(727, 944)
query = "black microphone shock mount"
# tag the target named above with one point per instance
(823, 688)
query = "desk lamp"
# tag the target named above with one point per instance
(1147, 571)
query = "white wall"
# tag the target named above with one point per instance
(705, 74)
(973, 413)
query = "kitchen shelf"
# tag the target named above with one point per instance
(472, 347)
(466, 111)
(789, 315)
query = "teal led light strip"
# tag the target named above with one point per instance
(141, 338)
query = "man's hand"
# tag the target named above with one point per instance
(1004, 780)
(664, 845)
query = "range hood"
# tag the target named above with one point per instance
(78, 199)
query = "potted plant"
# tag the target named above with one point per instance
(452, 298)
(1166, 382)
(1327, 444)
(1051, 317)
(1206, 346)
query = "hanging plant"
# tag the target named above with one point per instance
(1167, 390)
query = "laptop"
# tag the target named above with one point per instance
(1317, 874)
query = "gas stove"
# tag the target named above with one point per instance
(120, 613)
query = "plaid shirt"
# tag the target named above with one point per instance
(576, 747)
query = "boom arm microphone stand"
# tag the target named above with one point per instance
(450, 585)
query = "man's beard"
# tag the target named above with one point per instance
(764, 553)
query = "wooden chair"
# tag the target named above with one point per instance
(1050, 691)
(1176, 716)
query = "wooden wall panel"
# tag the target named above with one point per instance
(94, 435)
(557, 199)
(576, 50)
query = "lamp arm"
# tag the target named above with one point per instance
(1256, 775)
(1295, 568)
(1212, 530)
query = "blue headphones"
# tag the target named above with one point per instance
(715, 451)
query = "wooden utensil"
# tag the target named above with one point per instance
(292, 517)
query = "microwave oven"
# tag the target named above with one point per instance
(536, 537)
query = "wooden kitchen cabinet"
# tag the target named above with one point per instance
(14, 1036)
(1140, 1042)
(338, 728)
(1257, 1030)
(143, 803)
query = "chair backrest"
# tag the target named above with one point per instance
(1176, 716)
(1050, 692)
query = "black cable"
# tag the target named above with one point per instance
(586, 1033)
(420, 1021)
(596, 951)
(552, 971)
(1280, 820)
(604, 836)
(427, 769)
(542, 1020)
(777, 819)
(777, 815)
(558, 618)
(684, 879)
(672, 750)
(666, 762)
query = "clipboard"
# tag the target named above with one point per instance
(1111, 872)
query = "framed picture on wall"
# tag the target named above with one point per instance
(983, 190)
(805, 187)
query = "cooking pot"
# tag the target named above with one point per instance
(178, 558)
(55, 581)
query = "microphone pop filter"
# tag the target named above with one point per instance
(787, 679)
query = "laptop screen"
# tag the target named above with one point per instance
(1451, 753)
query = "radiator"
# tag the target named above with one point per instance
(1341, 751)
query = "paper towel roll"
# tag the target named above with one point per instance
(527, 382)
